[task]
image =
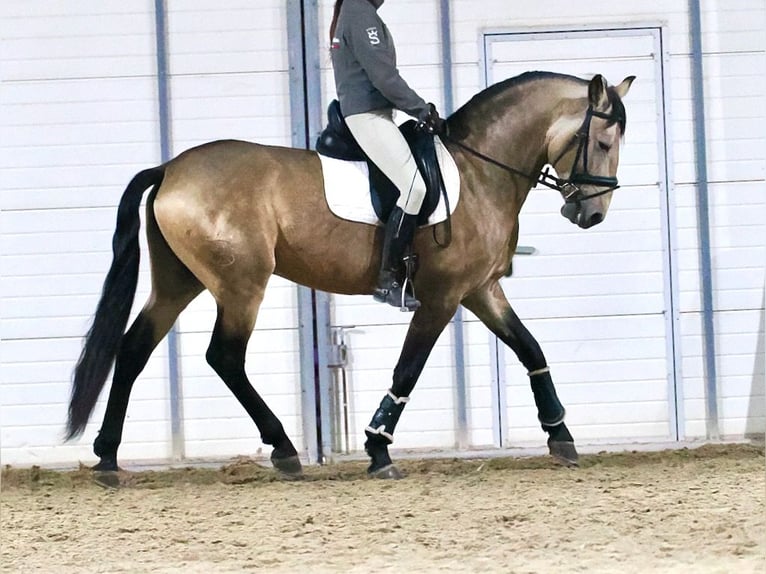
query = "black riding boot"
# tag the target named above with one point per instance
(399, 231)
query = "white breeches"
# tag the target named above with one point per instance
(381, 140)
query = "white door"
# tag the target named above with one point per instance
(598, 301)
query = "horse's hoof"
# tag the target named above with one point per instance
(563, 452)
(107, 479)
(106, 464)
(289, 467)
(389, 472)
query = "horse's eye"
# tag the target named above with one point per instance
(605, 147)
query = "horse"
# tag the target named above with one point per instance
(226, 215)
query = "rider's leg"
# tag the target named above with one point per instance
(381, 140)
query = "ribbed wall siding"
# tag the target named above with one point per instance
(79, 118)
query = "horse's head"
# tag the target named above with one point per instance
(585, 146)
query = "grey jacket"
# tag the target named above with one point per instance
(364, 62)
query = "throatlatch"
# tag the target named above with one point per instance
(385, 418)
(550, 411)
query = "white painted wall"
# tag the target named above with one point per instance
(619, 379)
(234, 85)
(735, 88)
(379, 330)
(79, 119)
(733, 46)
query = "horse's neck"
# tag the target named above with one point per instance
(516, 138)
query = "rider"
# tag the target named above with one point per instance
(369, 88)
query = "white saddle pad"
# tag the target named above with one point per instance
(347, 187)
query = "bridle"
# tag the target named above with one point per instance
(569, 187)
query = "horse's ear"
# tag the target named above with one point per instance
(597, 92)
(624, 86)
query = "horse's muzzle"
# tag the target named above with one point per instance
(583, 218)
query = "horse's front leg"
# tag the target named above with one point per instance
(426, 326)
(492, 307)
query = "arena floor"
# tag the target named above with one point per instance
(699, 510)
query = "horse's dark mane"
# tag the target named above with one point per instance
(494, 90)
(490, 93)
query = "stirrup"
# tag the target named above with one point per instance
(410, 265)
(397, 296)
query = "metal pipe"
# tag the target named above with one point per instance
(311, 37)
(703, 219)
(446, 41)
(298, 122)
(313, 125)
(295, 55)
(313, 307)
(458, 327)
(313, 109)
(324, 374)
(163, 91)
(163, 101)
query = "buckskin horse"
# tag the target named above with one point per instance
(227, 215)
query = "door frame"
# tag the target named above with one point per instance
(658, 31)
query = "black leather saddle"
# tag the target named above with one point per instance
(337, 141)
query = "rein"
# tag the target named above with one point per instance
(568, 188)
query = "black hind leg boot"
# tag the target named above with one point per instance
(399, 231)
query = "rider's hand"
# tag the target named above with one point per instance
(429, 121)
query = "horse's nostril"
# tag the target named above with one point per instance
(595, 219)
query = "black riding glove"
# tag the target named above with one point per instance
(430, 122)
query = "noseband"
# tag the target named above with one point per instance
(569, 187)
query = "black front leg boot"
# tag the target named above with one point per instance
(550, 411)
(380, 434)
(551, 414)
(400, 229)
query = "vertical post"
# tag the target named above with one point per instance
(458, 328)
(673, 340)
(446, 41)
(163, 100)
(324, 383)
(314, 119)
(499, 402)
(313, 307)
(703, 219)
(295, 54)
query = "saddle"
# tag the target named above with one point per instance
(337, 141)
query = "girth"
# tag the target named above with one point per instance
(337, 141)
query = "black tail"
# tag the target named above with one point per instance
(103, 339)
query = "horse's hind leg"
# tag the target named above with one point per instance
(151, 325)
(226, 355)
(173, 287)
(491, 306)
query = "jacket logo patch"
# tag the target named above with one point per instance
(372, 34)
